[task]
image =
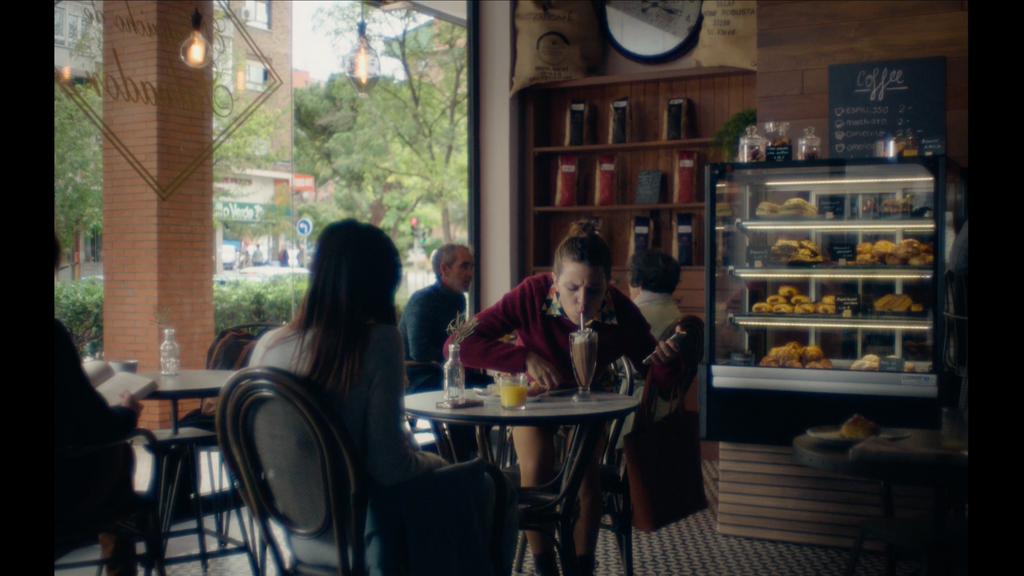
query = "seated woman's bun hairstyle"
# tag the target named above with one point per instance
(584, 245)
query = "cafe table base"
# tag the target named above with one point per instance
(556, 502)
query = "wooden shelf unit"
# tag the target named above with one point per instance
(715, 93)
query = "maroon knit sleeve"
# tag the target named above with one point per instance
(483, 348)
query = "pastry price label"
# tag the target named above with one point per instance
(844, 253)
(848, 304)
(758, 255)
(890, 365)
(779, 153)
(834, 205)
(741, 359)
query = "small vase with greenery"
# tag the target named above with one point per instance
(726, 140)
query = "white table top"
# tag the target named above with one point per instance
(559, 410)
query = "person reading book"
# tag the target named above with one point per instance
(81, 418)
(542, 311)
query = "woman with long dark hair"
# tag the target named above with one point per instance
(542, 311)
(344, 340)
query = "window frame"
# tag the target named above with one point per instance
(61, 40)
(252, 7)
(251, 65)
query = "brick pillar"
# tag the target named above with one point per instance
(158, 253)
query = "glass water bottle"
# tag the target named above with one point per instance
(454, 376)
(169, 359)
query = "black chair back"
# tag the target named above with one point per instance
(296, 466)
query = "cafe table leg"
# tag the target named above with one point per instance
(443, 441)
(174, 417)
(888, 513)
(483, 443)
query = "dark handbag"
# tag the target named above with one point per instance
(666, 483)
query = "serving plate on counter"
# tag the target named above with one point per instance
(830, 435)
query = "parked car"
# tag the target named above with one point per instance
(228, 253)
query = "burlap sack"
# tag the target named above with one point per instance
(728, 36)
(555, 40)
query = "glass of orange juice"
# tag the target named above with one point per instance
(512, 388)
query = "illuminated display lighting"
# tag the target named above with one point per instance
(853, 225)
(850, 181)
(859, 275)
(785, 324)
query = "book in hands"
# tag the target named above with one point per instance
(110, 384)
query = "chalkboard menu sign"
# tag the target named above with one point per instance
(891, 365)
(843, 253)
(741, 359)
(868, 100)
(758, 256)
(848, 305)
(832, 206)
(648, 188)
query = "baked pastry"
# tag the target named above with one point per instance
(822, 364)
(761, 308)
(866, 260)
(917, 307)
(858, 428)
(769, 362)
(917, 261)
(869, 362)
(927, 248)
(785, 247)
(893, 260)
(788, 291)
(794, 364)
(907, 249)
(775, 300)
(865, 248)
(798, 207)
(884, 302)
(767, 209)
(828, 300)
(808, 245)
(826, 309)
(805, 308)
(783, 309)
(901, 303)
(787, 354)
(799, 299)
(909, 367)
(813, 353)
(882, 249)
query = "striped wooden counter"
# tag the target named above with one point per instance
(765, 493)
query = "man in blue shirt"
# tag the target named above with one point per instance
(426, 317)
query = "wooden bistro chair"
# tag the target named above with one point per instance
(296, 467)
(138, 516)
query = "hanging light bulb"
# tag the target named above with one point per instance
(195, 50)
(362, 65)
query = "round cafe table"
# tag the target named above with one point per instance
(187, 385)
(542, 505)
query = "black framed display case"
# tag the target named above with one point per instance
(824, 295)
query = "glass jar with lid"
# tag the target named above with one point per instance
(781, 137)
(809, 146)
(752, 146)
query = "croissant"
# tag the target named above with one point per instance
(865, 248)
(805, 308)
(775, 352)
(826, 309)
(783, 309)
(866, 259)
(799, 299)
(813, 354)
(761, 308)
(768, 361)
(907, 249)
(787, 354)
(828, 300)
(788, 291)
(909, 367)
(882, 249)
(869, 362)
(918, 260)
(775, 300)
(794, 364)
(893, 260)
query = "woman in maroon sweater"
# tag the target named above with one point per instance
(542, 311)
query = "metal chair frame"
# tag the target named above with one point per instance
(346, 483)
(141, 520)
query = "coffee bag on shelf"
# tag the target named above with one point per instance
(620, 121)
(684, 176)
(640, 235)
(579, 120)
(682, 239)
(677, 119)
(604, 189)
(568, 177)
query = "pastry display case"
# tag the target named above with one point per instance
(824, 295)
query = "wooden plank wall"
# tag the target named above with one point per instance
(798, 39)
(765, 493)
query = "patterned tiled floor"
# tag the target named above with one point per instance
(691, 546)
